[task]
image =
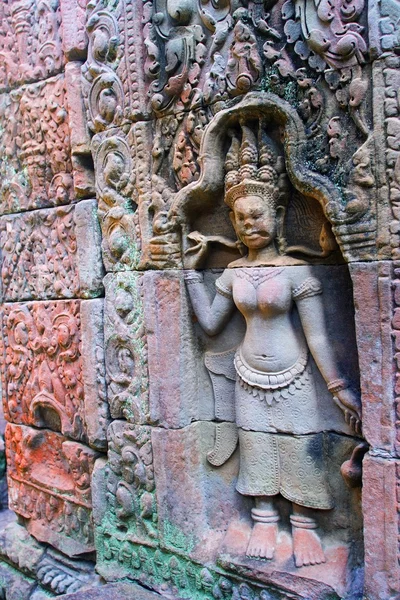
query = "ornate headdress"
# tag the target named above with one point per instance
(254, 172)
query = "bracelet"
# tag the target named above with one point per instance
(193, 276)
(337, 385)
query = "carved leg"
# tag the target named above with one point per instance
(307, 546)
(265, 529)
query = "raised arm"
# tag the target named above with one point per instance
(214, 315)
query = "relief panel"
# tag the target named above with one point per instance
(36, 170)
(197, 61)
(124, 490)
(49, 487)
(52, 367)
(51, 253)
(30, 41)
(126, 348)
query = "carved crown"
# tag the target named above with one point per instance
(253, 167)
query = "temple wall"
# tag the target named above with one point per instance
(200, 299)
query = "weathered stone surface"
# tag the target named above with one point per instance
(51, 253)
(14, 584)
(30, 41)
(84, 185)
(52, 569)
(36, 169)
(212, 521)
(126, 348)
(97, 414)
(376, 298)
(49, 486)
(187, 111)
(196, 61)
(381, 526)
(124, 499)
(74, 38)
(383, 20)
(183, 360)
(176, 368)
(194, 524)
(117, 591)
(46, 380)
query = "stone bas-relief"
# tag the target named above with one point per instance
(53, 369)
(51, 253)
(279, 422)
(52, 494)
(209, 408)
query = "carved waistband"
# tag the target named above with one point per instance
(270, 381)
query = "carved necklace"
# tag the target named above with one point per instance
(255, 277)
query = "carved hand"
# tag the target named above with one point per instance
(350, 405)
(194, 257)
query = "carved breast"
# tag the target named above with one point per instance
(269, 296)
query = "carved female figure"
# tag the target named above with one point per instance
(277, 412)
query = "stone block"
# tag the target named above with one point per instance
(122, 166)
(84, 185)
(126, 348)
(196, 369)
(30, 41)
(51, 253)
(383, 18)
(53, 369)
(37, 170)
(194, 523)
(179, 386)
(74, 37)
(380, 503)
(210, 522)
(117, 591)
(124, 490)
(14, 584)
(375, 294)
(53, 570)
(49, 487)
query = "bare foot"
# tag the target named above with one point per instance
(262, 540)
(307, 547)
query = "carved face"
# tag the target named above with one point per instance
(63, 335)
(254, 221)
(126, 361)
(21, 334)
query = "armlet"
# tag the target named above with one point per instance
(221, 289)
(309, 287)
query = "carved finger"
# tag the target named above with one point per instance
(194, 249)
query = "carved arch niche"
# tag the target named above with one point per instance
(314, 211)
(313, 203)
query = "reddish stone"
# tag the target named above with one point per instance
(74, 38)
(37, 170)
(381, 513)
(30, 42)
(49, 486)
(84, 185)
(376, 342)
(51, 253)
(46, 380)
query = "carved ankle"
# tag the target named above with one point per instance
(260, 515)
(302, 522)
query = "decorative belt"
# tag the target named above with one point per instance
(270, 381)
